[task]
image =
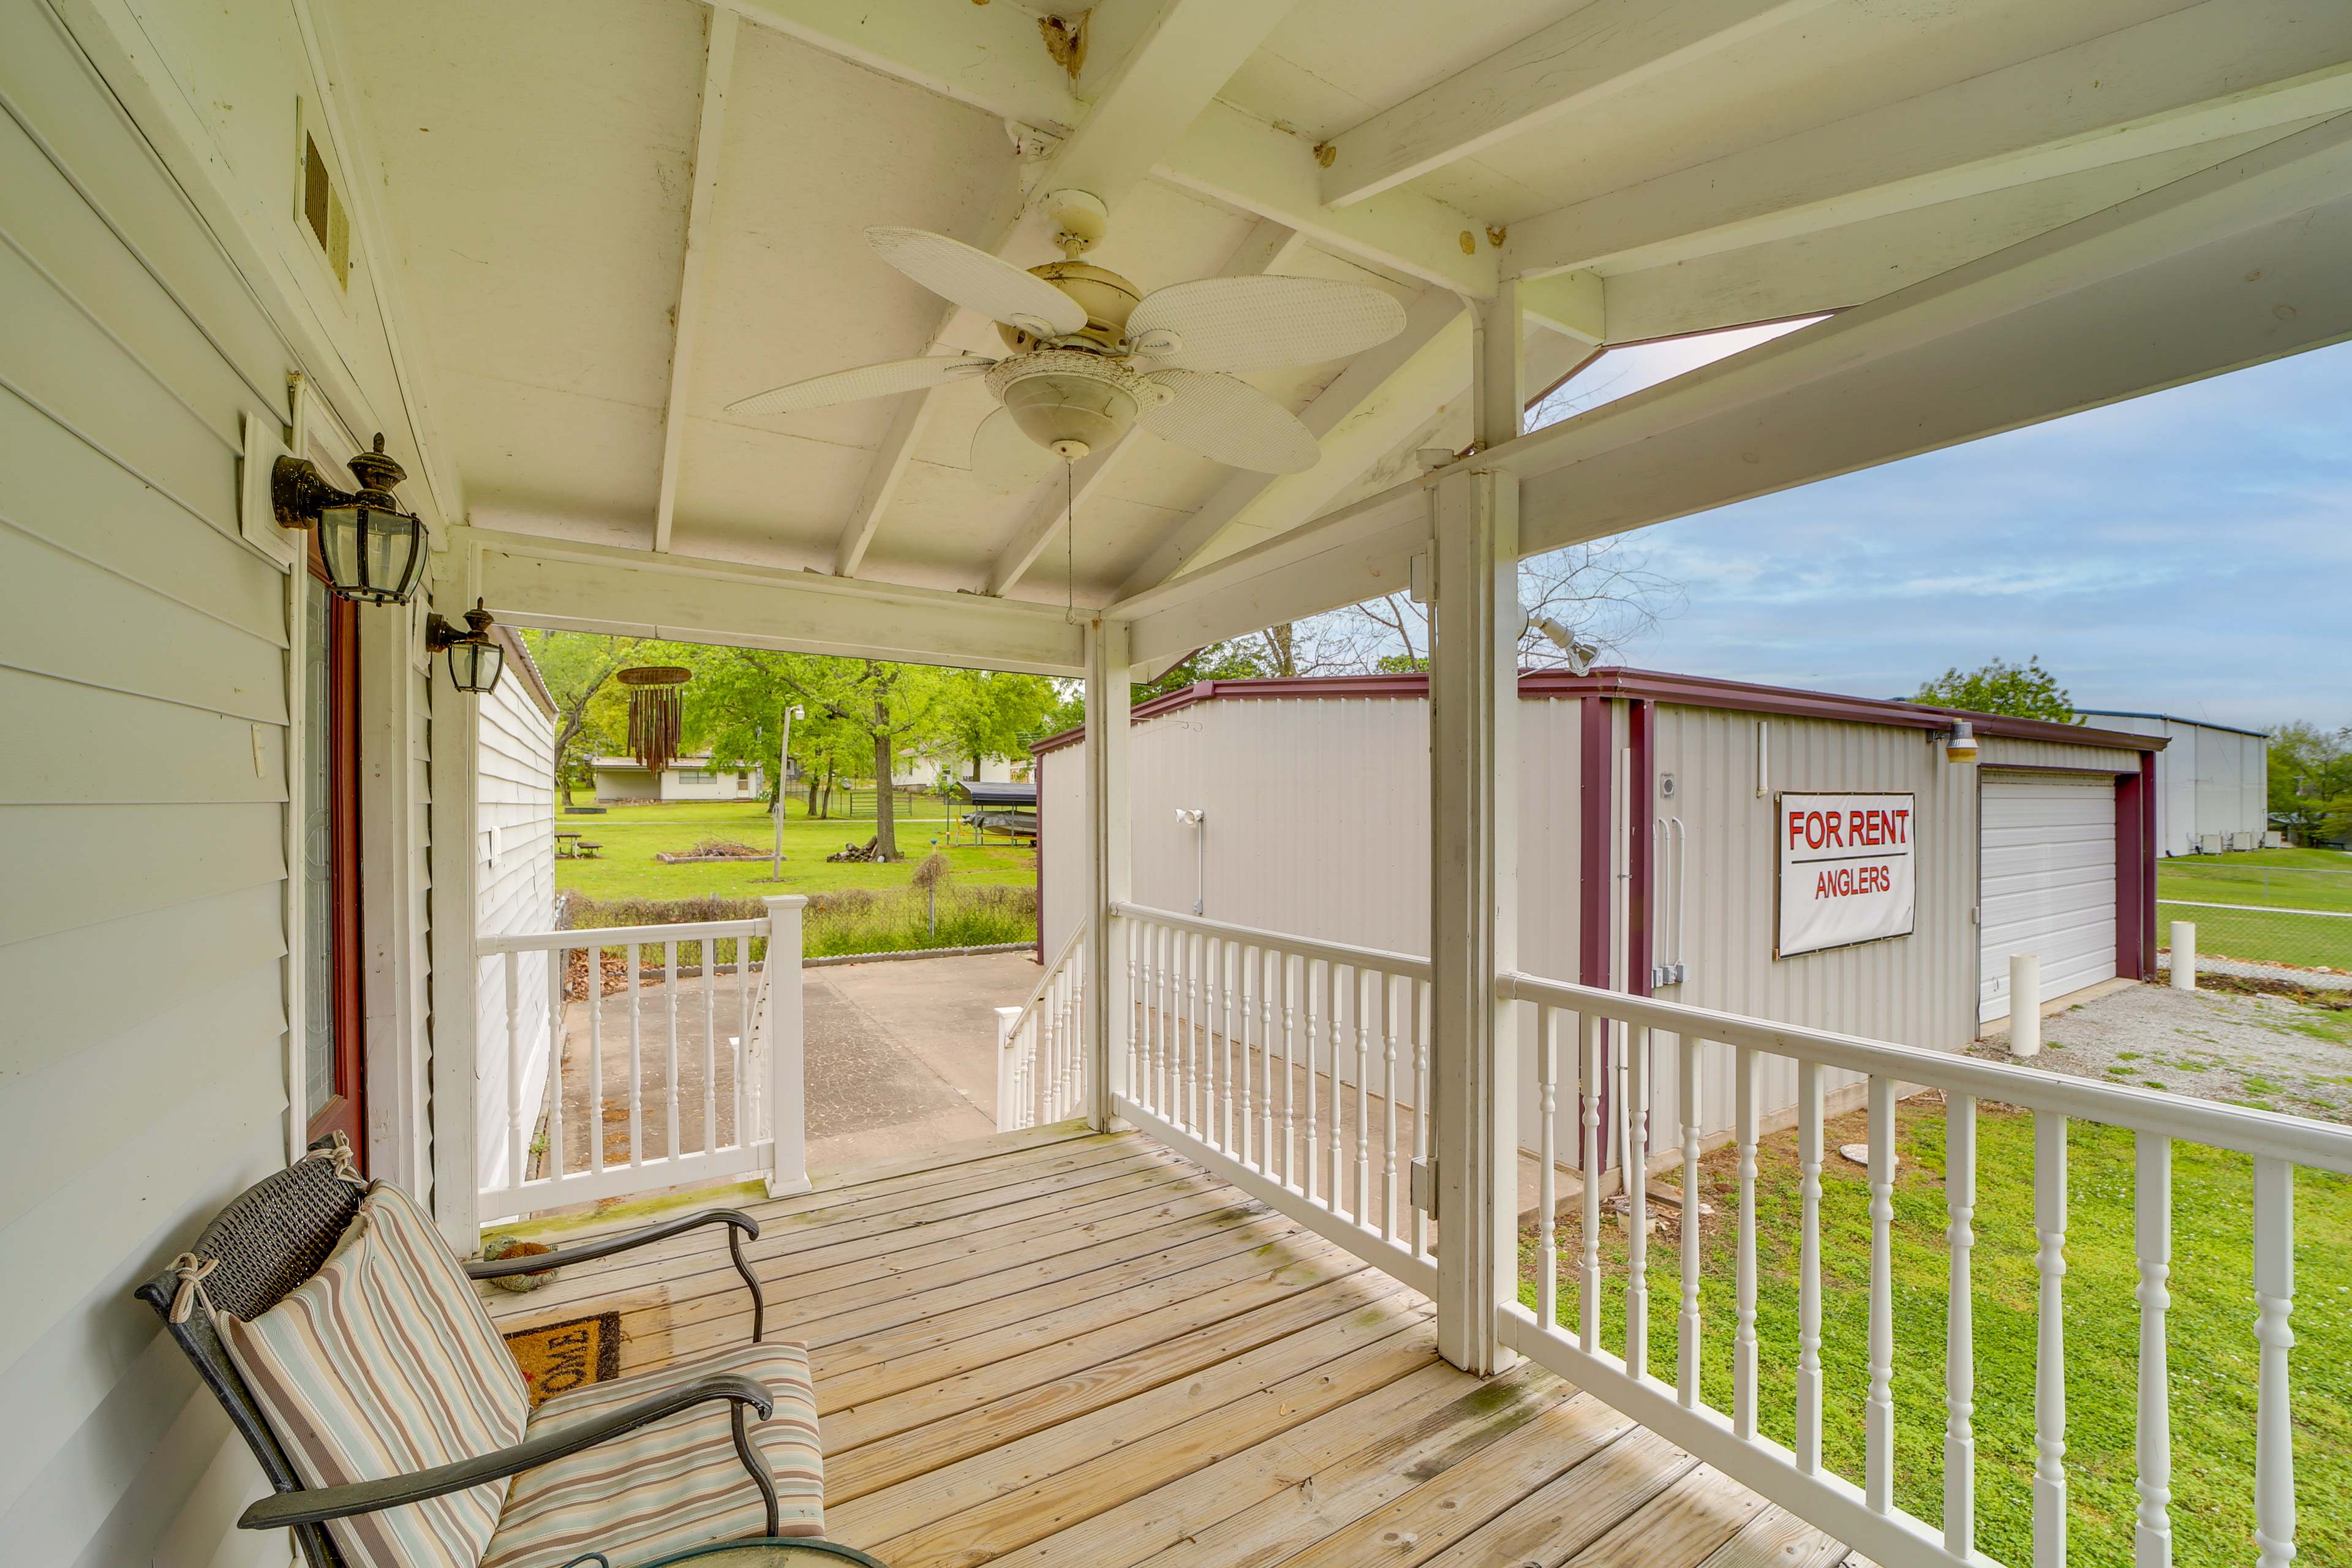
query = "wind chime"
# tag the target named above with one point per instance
(655, 713)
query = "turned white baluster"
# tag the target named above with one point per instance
(2274, 1416)
(1546, 1177)
(1808, 1268)
(1878, 1457)
(1388, 1107)
(1229, 960)
(1418, 996)
(1246, 966)
(1743, 1347)
(2152, 1238)
(1363, 1099)
(669, 1087)
(1306, 973)
(710, 1047)
(1587, 1274)
(1959, 1326)
(2050, 1359)
(1269, 981)
(1290, 988)
(1131, 934)
(1687, 1324)
(557, 1149)
(1637, 1208)
(1334, 1144)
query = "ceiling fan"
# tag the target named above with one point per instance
(1092, 356)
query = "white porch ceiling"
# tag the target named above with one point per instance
(1697, 163)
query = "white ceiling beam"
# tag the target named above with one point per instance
(1601, 49)
(2217, 69)
(1342, 558)
(990, 57)
(527, 580)
(1853, 265)
(718, 71)
(2238, 264)
(1230, 157)
(1573, 304)
(1190, 50)
(1267, 248)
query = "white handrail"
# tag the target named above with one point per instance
(1340, 952)
(616, 936)
(2321, 1145)
(1045, 980)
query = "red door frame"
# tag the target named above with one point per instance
(2135, 871)
(345, 1111)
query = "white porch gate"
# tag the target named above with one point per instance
(682, 1072)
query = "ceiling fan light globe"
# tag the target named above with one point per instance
(1055, 407)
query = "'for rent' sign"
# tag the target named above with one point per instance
(1845, 869)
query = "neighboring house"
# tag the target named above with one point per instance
(514, 890)
(924, 771)
(2212, 782)
(624, 779)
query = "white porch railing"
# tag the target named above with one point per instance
(1041, 1063)
(1866, 1517)
(637, 1104)
(1296, 1070)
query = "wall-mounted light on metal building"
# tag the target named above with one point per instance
(476, 658)
(373, 552)
(1960, 744)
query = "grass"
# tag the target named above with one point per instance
(2286, 878)
(2210, 1325)
(852, 920)
(631, 836)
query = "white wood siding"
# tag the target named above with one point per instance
(143, 794)
(514, 888)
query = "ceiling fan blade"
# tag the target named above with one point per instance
(1004, 459)
(883, 380)
(1230, 421)
(979, 282)
(1257, 323)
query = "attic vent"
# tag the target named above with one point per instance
(323, 212)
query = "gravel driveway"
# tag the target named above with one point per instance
(2275, 1053)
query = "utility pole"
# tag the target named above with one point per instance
(784, 752)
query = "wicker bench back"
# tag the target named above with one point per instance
(270, 1239)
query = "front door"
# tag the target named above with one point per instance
(333, 1072)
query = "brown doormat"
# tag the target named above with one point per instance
(557, 1358)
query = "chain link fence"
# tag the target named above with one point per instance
(2252, 933)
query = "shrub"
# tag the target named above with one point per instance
(854, 921)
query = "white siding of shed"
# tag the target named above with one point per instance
(514, 890)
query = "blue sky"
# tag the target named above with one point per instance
(2188, 553)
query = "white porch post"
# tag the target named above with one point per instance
(1108, 1012)
(1474, 876)
(456, 1183)
(787, 1077)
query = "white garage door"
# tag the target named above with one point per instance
(2047, 882)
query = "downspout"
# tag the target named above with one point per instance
(1641, 889)
(1595, 866)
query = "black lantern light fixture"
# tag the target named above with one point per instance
(373, 552)
(476, 658)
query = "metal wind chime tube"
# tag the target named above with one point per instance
(655, 713)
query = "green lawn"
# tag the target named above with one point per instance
(632, 835)
(2211, 1327)
(2279, 878)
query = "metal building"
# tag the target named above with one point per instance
(1300, 805)
(2212, 782)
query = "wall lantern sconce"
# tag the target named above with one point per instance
(1961, 745)
(374, 553)
(476, 658)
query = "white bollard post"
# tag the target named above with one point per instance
(2184, 955)
(2024, 1005)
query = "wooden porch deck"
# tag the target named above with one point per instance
(1054, 1348)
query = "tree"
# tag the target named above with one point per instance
(578, 669)
(2020, 691)
(883, 709)
(2311, 782)
(989, 713)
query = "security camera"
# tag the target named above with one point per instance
(1581, 655)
